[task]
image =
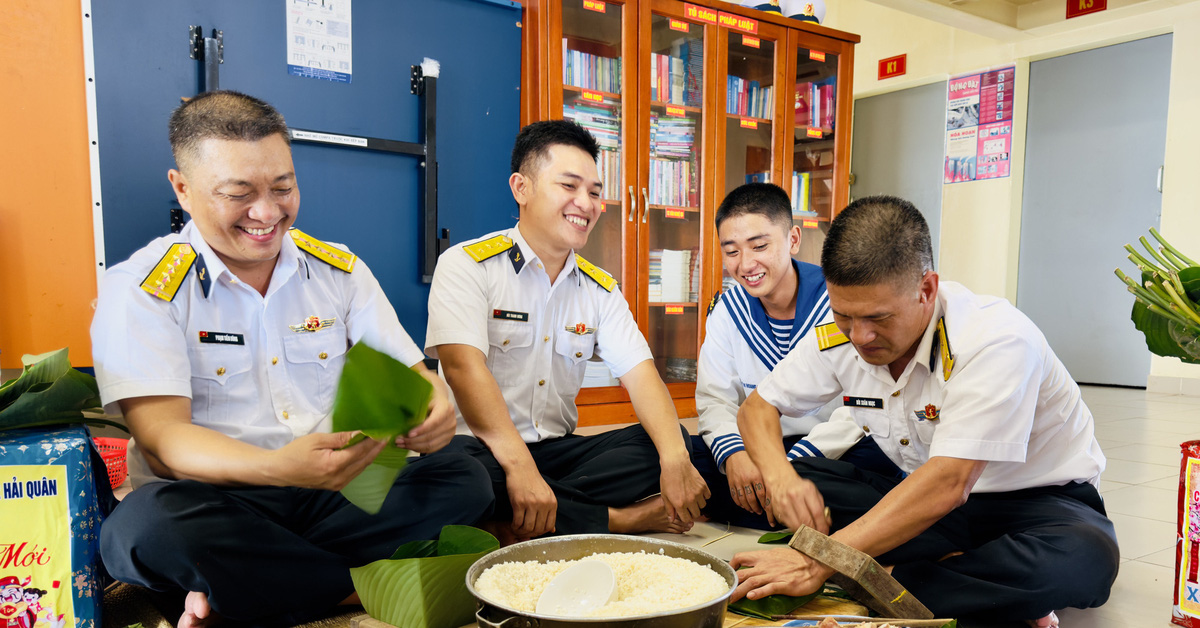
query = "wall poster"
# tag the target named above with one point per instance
(318, 39)
(979, 125)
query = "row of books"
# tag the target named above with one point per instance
(672, 137)
(678, 78)
(591, 71)
(674, 182)
(604, 123)
(801, 191)
(814, 104)
(748, 98)
(674, 276)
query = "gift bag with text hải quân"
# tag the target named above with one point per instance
(49, 530)
(1186, 611)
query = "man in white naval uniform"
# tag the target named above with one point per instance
(751, 326)
(999, 515)
(514, 317)
(223, 346)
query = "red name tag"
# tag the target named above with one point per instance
(815, 133)
(809, 224)
(749, 124)
(673, 110)
(674, 309)
(816, 55)
(594, 5)
(675, 213)
(593, 96)
(752, 42)
(680, 25)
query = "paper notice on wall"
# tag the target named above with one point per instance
(979, 125)
(318, 39)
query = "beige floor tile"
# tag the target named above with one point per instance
(1139, 537)
(1142, 501)
(1107, 485)
(1127, 435)
(1130, 472)
(1141, 452)
(1106, 444)
(1171, 483)
(1183, 429)
(1103, 618)
(1165, 558)
(1141, 596)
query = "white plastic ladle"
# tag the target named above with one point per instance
(578, 590)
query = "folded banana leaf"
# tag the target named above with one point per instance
(423, 585)
(382, 398)
(765, 608)
(49, 392)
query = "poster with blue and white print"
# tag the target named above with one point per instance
(318, 39)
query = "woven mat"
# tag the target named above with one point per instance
(126, 604)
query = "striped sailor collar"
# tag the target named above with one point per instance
(752, 322)
(290, 259)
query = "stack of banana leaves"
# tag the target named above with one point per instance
(1167, 294)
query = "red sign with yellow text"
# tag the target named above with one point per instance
(677, 214)
(680, 25)
(674, 309)
(737, 22)
(815, 133)
(700, 14)
(594, 5)
(592, 96)
(752, 42)
(674, 110)
(816, 55)
(809, 224)
(749, 124)
(893, 66)
(1076, 8)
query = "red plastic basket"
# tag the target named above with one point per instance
(113, 452)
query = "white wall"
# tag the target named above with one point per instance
(981, 220)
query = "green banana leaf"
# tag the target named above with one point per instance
(382, 398)
(423, 585)
(1157, 329)
(779, 538)
(768, 607)
(48, 392)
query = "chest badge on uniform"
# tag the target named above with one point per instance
(580, 329)
(509, 315)
(930, 413)
(221, 338)
(311, 324)
(862, 402)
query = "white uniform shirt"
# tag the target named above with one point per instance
(267, 383)
(731, 367)
(537, 334)
(1008, 399)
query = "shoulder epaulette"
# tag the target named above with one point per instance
(712, 305)
(946, 355)
(591, 270)
(168, 275)
(829, 336)
(491, 247)
(339, 259)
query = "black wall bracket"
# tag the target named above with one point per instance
(210, 51)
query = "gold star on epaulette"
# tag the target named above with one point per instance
(491, 247)
(167, 276)
(605, 280)
(339, 259)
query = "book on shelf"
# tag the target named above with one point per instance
(674, 171)
(748, 98)
(815, 104)
(603, 121)
(801, 195)
(758, 177)
(589, 71)
(674, 276)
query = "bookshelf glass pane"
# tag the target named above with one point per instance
(672, 193)
(813, 158)
(749, 110)
(592, 88)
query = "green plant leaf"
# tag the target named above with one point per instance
(776, 537)
(953, 623)
(1157, 333)
(767, 607)
(425, 591)
(1190, 278)
(416, 549)
(383, 399)
(47, 392)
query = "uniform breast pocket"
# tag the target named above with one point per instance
(220, 375)
(509, 343)
(574, 351)
(315, 362)
(874, 422)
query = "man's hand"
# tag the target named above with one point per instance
(318, 460)
(795, 501)
(683, 489)
(438, 428)
(746, 485)
(533, 503)
(781, 570)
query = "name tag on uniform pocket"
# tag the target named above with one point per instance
(508, 315)
(862, 402)
(221, 338)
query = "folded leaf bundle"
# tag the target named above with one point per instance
(1165, 309)
(423, 584)
(49, 392)
(382, 398)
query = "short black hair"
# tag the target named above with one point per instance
(534, 142)
(766, 199)
(874, 240)
(225, 115)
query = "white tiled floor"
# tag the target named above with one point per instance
(1140, 433)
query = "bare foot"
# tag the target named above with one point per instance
(648, 515)
(1049, 621)
(196, 612)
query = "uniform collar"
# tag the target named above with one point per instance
(926, 350)
(528, 258)
(290, 260)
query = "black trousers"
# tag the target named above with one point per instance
(865, 454)
(271, 555)
(588, 474)
(1025, 553)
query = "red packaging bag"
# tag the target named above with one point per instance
(1186, 611)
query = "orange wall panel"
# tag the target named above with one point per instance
(47, 254)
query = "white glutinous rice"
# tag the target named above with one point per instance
(646, 583)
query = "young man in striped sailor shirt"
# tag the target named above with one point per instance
(751, 326)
